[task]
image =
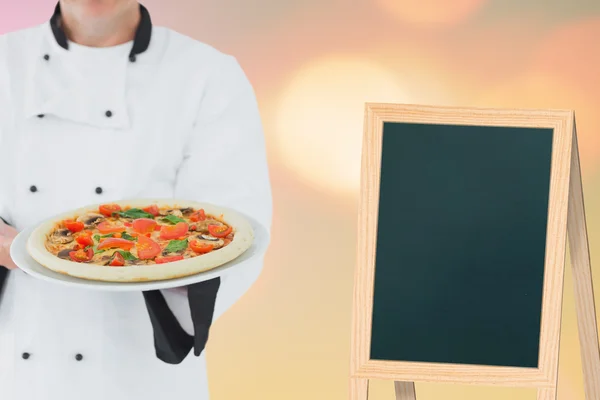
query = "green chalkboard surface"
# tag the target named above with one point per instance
(461, 239)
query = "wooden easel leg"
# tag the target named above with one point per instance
(582, 279)
(359, 389)
(547, 394)
(405, 390)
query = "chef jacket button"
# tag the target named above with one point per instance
(32, 188)
(40, 116)
(99, 190)
(108, 113)
(25, 356)
(78, 357)
(46, 57)
(132, 58)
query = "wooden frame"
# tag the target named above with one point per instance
(565, 203)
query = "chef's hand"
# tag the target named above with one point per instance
(7, 234)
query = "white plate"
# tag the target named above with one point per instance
(19, 254)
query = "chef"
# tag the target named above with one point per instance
(97, 105)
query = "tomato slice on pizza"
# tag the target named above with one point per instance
(147, 248)
(108, 209)
(219, 231)
(174, 231)
(82, 255)
(144, 225)
(117, 260)
(201, 248)
(116, 243)
(167, 259)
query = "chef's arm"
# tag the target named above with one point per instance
(7, 231)
(226, 164)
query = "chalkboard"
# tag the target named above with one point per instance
(461, 243)
(462, 230)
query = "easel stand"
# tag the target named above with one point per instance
(584, 304)
(583, 284)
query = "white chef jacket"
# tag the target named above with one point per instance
(161, 116)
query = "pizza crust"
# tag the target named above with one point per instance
(242, 240)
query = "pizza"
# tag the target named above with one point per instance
(140, 240)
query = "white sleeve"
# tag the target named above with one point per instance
(226, 164)
(5, 122)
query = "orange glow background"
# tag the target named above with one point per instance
(313, 64)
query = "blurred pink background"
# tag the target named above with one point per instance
(313, 65)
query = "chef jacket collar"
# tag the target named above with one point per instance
(85, 84)
(141, 40)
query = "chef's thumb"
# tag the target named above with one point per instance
(7, 230)
(5, 259)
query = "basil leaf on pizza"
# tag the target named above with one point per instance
(127, 256)
(98, 237)
(127, 236)
(133, 241)
(176, 246)
(96, 251)
(133, 213)
(172, 219)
